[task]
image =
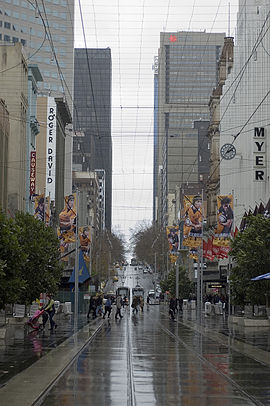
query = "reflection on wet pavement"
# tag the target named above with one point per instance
(149, 360)
(22, 347)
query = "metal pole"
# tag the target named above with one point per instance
(177, 277)
(76, 288)
(155, 275)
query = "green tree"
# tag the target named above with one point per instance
(186, 287)
(42, 268)
(251, 251)
(12, 259)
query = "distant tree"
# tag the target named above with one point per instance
(150, 244)
(42, 269)
(251, 252)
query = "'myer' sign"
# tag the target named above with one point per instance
(259, 154)
(51, 148)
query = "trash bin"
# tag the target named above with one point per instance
(185, 304)
(193, 304)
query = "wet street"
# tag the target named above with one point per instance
(141, 359)
(147, 359)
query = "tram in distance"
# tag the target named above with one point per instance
(123, 291)
(138, 291)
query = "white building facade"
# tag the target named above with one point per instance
(244, 111)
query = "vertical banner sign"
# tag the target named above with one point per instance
(259, 154)
(85, 241)
(42, 208)
(67, 224)
(173, 240)
(33, 162)
(193, 221)
(51, 148)
(223, 230)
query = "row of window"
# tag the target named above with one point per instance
(32, 18)
(8, 38)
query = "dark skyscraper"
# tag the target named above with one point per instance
(92, 116)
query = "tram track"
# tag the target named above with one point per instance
(209, 364)
(131, 398)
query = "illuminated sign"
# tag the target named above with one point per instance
(33, 163)
(173, 38)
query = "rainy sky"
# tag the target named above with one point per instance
(131, 28)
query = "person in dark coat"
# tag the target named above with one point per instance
(172, 306)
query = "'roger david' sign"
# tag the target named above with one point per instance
(259, 152)
(51, 148)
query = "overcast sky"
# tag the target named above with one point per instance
(131, 28)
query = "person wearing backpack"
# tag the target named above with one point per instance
(50, 309)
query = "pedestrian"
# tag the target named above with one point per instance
(108, 308)
(99, 303)
(172, 308)
(118, 307)
(91, 306)
(135, 303)
(141, 303)
(148, 299)
(50, 309)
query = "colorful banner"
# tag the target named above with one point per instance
(85, 242)
(173, 239)
(42, 206)
(67, 219)
(192, 221)
(224, 230)
(33, 163)
(67, 224)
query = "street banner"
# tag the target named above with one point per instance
(67, 225)
(67, 219)
(41, 207)
(224, 227)
(85, 242)
(193, 218)
(173, 239)
(173, 258)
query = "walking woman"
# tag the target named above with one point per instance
(50, 309)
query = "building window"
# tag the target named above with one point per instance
(6, 38)
(23, 41)
(15, 39)
(7, 25)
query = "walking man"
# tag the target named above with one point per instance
(118, 307)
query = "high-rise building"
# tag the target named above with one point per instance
(187, 73)
(244, 110)
(46, 31)
(92, 148)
